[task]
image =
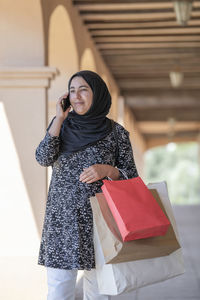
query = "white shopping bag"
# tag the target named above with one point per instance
(114, 279)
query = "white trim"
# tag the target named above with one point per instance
(26, 76)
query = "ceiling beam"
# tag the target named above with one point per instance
(134, 69)
(163, 100)
(126, 6)
(147, 39)
(148, 45)
(163, 140)
(167, 93)
(153, 76)
(153, 50)
(153, 57)
(139, 89)
(148, 32)
(152, 84)
(131, 25)
(133, 16)
(128, 16)
(163, 114)
(165, 127)
(152, 62)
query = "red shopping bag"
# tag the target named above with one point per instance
(134, 209)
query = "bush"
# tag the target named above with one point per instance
(178, 165)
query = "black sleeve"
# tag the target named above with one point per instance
(125, 159)
(47, 151)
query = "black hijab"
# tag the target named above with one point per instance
(79, 131)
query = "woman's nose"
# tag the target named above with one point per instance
(77, 95)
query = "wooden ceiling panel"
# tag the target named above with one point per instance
(160, 114)
(141, 43)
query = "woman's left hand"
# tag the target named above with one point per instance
(97, 172)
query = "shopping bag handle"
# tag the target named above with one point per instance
(117, 149)
(116, 139)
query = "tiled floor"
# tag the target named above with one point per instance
(186, 286)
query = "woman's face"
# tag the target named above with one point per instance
(81, 95)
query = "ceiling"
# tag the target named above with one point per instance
(141, 43)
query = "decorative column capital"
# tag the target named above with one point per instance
(25, 77)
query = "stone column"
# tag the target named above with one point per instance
(137, 140)
(23, 99)
(121, 104)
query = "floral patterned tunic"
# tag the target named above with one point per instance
(67, 236)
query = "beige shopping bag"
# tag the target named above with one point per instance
(117, 278)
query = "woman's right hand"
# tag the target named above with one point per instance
(60, 114)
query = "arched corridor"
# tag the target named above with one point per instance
(134, 46)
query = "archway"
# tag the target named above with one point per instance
(87, 61)
(62, 54)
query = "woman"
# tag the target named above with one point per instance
(82, 149)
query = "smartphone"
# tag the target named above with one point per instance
(65, 103)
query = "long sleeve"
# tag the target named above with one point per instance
(125, 159)
(48, 150)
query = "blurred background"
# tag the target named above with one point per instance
(178, 165)
(148, 53)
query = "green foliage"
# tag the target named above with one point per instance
(178, 165)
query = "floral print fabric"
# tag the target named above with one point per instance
(67, 236)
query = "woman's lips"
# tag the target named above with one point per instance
(79, 103)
